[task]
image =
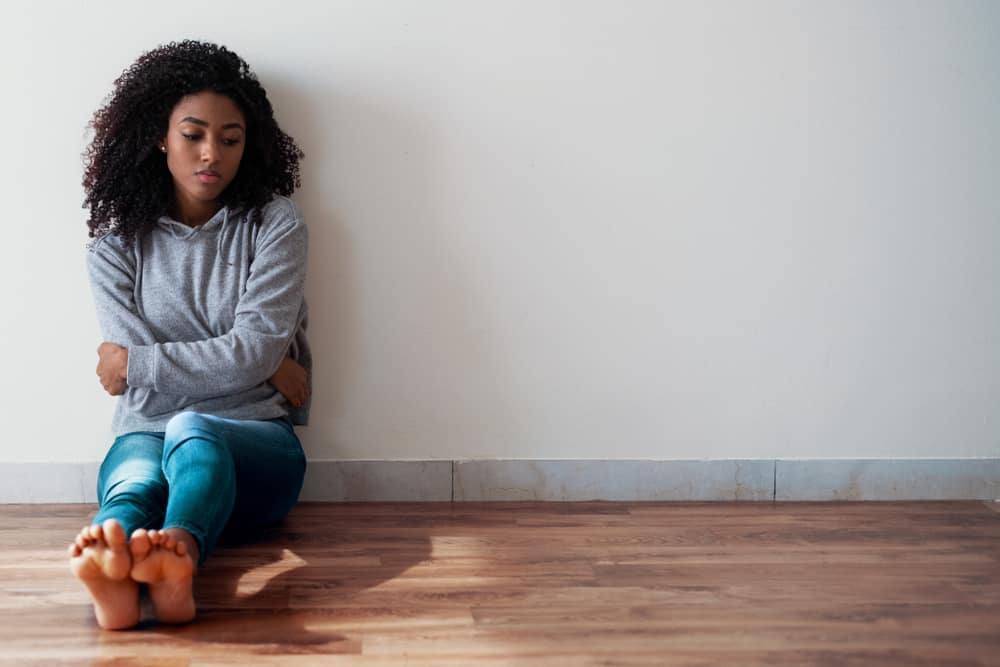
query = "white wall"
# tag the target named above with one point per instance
(569, 229)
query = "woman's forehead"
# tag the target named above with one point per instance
(209, 108)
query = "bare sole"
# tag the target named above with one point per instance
(163, 562)
(100, 558)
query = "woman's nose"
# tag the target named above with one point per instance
(209, 152)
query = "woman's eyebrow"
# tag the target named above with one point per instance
(198, 121)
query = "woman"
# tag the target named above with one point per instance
(197, 269)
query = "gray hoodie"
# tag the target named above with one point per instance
(207, 314)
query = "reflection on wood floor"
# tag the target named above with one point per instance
(908, 583)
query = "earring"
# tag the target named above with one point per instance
(163, 149)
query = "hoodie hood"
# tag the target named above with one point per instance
(179, 230)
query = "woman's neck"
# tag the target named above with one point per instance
(194, 213)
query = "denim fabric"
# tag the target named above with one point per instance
(204, 474)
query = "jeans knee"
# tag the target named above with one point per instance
(198, 439)
(182, 424)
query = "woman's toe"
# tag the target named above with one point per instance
(139, 545)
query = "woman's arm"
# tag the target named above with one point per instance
(267, 316)
(177, 374)
(112, 282)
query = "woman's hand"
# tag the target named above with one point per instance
(112, 368)
(292, 381)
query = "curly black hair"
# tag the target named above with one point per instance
(127, 183)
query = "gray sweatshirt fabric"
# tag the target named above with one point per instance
(207, 314)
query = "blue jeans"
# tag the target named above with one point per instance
(203, 474)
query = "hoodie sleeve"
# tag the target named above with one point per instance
(267, 317)
(112, 282)
(112, 272)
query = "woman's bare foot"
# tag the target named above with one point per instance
(165, 562)
(100, 558)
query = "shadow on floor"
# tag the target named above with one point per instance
(266, 588)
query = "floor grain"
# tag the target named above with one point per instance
(908, 583)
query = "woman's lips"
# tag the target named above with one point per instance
(208, 177)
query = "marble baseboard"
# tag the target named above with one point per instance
(569, 480)
(48, 482)
(614, 480)
(401, 481)
(888, 479)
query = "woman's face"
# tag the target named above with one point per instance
(205, 138)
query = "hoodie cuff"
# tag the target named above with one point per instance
(140, 369)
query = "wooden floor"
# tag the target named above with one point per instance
(544, 584)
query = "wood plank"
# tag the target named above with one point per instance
(544, 584)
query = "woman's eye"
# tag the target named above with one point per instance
(191, 137)
(230, 142)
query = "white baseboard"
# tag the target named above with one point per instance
(564, 480)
